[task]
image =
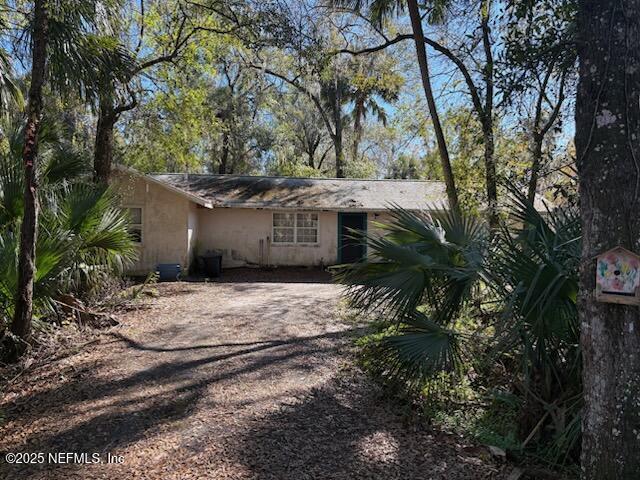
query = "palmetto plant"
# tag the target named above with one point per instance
(68, 43)
(533, 271)
(429, 269)
(433, 260)
(83, 234)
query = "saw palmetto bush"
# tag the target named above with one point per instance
(83, 236)
(501, 311)
(421, 260)
(533, 269)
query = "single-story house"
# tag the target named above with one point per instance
(257, 220)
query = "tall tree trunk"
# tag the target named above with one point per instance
(337, 122)
(607, 137)
(355, 147)
(224, 158)
(310, 145)
(103, 152)
(536, 165)
(491, 176)
(541, 129)
(339, 153)
(421, 51)
(357, 127)
(21, 325)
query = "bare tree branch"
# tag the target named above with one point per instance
(457, 61)
(314, 98)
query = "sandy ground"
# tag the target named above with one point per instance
(249, 379)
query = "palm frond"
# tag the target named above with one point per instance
(85, 56)
(63, 163)
(425, 268)
(421, 258)
(83, 234)
(11, 97)
(421, 349)
(11, 190)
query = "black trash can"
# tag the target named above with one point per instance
(212, 264)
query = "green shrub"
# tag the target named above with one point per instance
(83, 235)
(463, 311)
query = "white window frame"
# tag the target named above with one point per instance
(317, 228)
(137, 225)
(295, 229)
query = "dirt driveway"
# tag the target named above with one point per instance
(250, 379)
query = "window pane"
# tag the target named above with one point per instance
(307, 220)
(307, 235)
(135, 215)
(283, 220)
(136, 234)
(282, 235)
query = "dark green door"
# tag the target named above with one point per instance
(350, 249)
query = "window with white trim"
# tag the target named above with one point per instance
(299, 227)
(135, 223)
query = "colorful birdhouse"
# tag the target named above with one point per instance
(618, 277)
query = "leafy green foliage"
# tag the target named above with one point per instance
(84, 56)
(538, 34)
(534, 272)
(421, 258)
(10, 93)
(83, 234)
(420, 348)
(502, 313)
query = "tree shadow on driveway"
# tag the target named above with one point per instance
(347, 430)
(124, 410)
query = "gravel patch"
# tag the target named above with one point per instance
(243, 379)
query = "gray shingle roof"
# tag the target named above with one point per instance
(307, 193)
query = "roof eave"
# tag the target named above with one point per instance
(313, 208)
(190, 196)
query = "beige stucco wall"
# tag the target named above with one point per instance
(169, 222)
(372, 228)
(373, 219)
(192, 230)
(238, 233)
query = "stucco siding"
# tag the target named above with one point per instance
(175, 230)
(244, 237)
(374, 218)
(192, 231)
(165, 223)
